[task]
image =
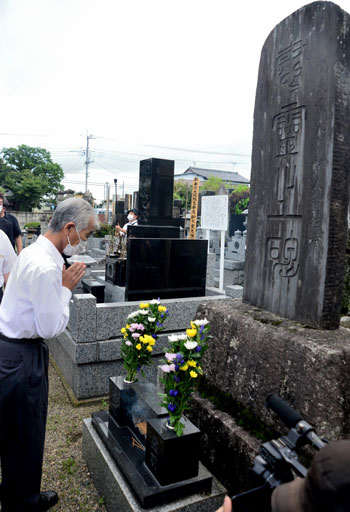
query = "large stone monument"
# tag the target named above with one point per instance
(300, 165)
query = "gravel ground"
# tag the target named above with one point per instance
(64, 468)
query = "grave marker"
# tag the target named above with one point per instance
(300, 164)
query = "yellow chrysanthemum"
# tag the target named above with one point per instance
(191, 332)
(192, 363)
(123, 330)
(144, 305)
(149, 348)
(125, 336)
(193, 325)
(152, 342)
(143, 339)
(161, 309)
(127, 326)
(193, 374)
(138, 346)
(184, 367)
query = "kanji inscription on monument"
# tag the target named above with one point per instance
(300, 165)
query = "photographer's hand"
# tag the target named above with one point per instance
(227, 506)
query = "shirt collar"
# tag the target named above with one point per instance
(51, 248)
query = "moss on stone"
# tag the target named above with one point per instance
(242, 414)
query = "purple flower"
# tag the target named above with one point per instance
(202, 337)
(138, 368)
(175, 392)
(201, 329)
(155, 336)
(136, 335)
(169, 356)
(128, 343)
(198, 348)
(171, 392)
(177, 367)
(165, 368)
(172, 407)
(162, 316)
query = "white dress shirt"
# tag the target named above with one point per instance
(35, 304)
(7, 256)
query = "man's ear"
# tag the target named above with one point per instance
(67, 227)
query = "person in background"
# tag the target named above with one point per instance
(7, 260)
(133, 216)
(16, 235)
(35, 307)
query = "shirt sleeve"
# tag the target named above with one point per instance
(10, 255)
(50, 302)
(16, 229)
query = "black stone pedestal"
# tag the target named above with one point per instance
(128, 452)
(116, 271)
(166, 452)
(96, 289)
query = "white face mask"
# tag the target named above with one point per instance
(130, 217)
(71, 250)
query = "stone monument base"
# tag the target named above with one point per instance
(117, 495)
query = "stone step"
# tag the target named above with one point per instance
(234, 291)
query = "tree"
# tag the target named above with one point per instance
(212, 183)
(31, 175)
(183, 191)
(239, 199)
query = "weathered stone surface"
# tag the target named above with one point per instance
(254, 353)
(227, 449)
(299, 182)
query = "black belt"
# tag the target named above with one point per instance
(20, 340)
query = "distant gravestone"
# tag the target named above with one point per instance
(300, 164)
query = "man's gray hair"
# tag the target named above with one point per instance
(75, 210)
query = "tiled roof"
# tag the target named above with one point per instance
(224, 175)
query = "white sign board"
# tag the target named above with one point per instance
(214, 213)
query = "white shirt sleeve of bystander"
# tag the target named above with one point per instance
(50, 302)
(9, 256)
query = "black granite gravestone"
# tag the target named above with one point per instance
(149, 455)
(300, 167)
(155, 203)
(165, 268)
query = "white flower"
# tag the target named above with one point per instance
(142, 312)
(151, 319)
(133, 314)
(154, 301)
(172, 338)
(182, 337)
(128, 343)
(190, 345)
(201, 322)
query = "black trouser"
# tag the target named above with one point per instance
(23, 412)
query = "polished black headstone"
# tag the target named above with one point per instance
(156, 184)
(298, 209)
(154, 231)
(164, 449)
(165, 268)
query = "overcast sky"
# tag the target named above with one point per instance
(145, 77)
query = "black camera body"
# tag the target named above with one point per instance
(278, 461)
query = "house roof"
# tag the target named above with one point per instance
(232, 176)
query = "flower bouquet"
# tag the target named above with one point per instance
(140, 334)
(182, 369)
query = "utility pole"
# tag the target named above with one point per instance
(87, 160)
